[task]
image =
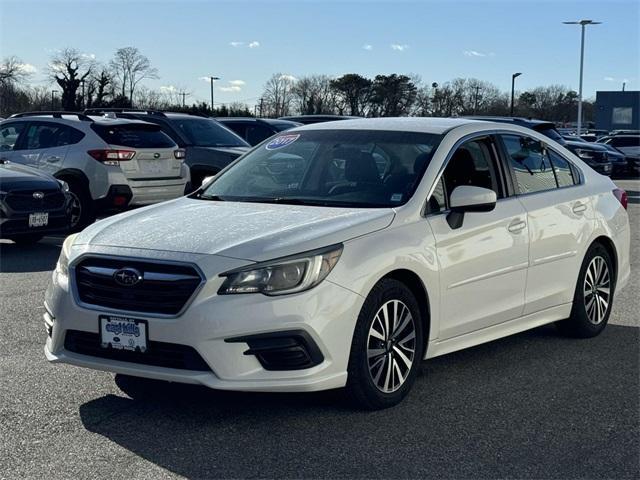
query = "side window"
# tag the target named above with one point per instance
(67, 136)
(532, 169)
(41, 135)
(564, 173)
(473, 163)
(9, 134)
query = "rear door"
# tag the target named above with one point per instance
(559, 215)
(144, 151)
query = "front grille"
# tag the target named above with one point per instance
(24, 201)
(164, 288)
(158, 354)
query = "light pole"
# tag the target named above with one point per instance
(513, 88)
(583, 24)
(53, 92)
(212, 80)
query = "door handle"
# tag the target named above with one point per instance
(53, 159)
(517, 226)
(578, 207)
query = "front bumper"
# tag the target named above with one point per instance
(215, 327)
(14, 223)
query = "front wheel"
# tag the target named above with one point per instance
(387, 347)
(593, 296)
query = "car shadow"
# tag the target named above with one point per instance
(38, 257)
(532, 405)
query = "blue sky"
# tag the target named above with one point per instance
(244, 42)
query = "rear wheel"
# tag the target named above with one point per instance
(387, 347)
(82, 208)
(593, 297)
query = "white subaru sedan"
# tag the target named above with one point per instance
(342, 255)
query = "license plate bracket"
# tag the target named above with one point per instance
(123, 333)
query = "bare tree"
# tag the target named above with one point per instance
(313, 95)
(69, 68)
(278, 95)
(130, 67)
(12, 71)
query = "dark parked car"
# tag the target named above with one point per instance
(618, 159)
(309, 119)
(594, 155)
(208, 144)
(255, 130)
(627, 142)
(32, 204)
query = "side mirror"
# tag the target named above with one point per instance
(207, 179)
(467, 198)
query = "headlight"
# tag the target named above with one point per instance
(64, 185)
(286, 275)
(586, 154)
(62, 267)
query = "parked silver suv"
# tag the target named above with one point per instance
(108, 163)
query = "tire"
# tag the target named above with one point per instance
(140, 388)
(378, 375)
(27, 239)
(592, 302)
(82, 207)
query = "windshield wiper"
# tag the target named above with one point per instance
(214, 198)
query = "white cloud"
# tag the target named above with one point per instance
(231, 88)
(236, 44)
(609, 79)
(254, 44)
(237, 83)
(291, 78)
(474, 53)
(399, 47)
(88, 56)
(168, 89)
(27, 68)
(366, 46)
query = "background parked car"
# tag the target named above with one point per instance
(309, 119)
(592, 154)
(255, 130)
(618, 159)
(32, 204)
(107, 163)
(627, 143)
(209, 146)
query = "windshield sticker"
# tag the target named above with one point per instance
(396, 197)
(281, 141)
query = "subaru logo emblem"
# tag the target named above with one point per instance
(38, 195)
(156, 155)
(127, 276)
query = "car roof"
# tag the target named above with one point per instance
(526, 122)
(434, 125)
(271, 121)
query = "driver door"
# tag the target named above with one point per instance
(483, 263)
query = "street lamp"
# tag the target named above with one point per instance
(583, 24)
(212, 80)
(513, 88)
(53, 92)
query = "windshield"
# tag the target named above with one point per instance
(204, 132)
(348, 168)
(552, 133)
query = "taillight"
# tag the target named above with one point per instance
(179, 154)
(621, 195)
(112, 157)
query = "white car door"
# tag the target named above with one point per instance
(483, 264)
(560, 219)
(43, 146)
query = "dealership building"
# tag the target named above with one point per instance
(618, 110)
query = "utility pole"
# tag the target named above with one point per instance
(53, 92)
(513, 88)
(624, 84)
(261, 107)
(82, 101)
(583, 24)
(212, 104)
(475, 103)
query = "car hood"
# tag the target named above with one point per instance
(13, 175)
(242, 230)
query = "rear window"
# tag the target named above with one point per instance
(135, 135)
(203, 132)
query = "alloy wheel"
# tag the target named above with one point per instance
(391, 346)
(597, 290)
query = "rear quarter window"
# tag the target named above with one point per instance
(134, 135)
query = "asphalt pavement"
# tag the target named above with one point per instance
(535, 405)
